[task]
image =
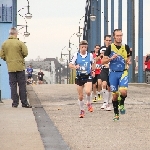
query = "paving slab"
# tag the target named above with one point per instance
(97, 131)
(18, 129)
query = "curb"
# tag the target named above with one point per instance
(52, 139)
(139, 84)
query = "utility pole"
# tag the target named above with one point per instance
(140, 42)
(14, 13)
(133, 43)
(67, 71)
(105, 17)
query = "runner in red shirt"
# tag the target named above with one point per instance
(96, 79)
(147, 63)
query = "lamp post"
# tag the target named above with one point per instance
(26, 33)
(79, 33)
(93, 17)
(50, 69)
(61, 59)
(67, 70)
(62, 53)
(56, 70)
(60, 72)
(69, 49)
(28, 15)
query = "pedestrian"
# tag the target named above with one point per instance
(104, 76)
(84, 64)
(118, 55)
(13, 51)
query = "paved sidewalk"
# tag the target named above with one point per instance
(18, 129)
(97, 131)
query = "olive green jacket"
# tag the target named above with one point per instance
(13, 52)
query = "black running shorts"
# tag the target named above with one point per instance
(104, 75)
(82, 80)
(95, 79)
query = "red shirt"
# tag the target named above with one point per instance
(98, 65)
(147, 64)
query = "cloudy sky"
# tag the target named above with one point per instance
(54, 22)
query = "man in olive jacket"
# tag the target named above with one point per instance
(13, 52)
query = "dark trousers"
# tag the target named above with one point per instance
(14, 78)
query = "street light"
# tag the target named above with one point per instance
(59, 71)
(28, 15)
(26, 33)
(79, 34)
(69, 49)
(62, 53)
(92, 16)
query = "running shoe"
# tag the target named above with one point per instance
(90, 108)
(116, 117)
(95, 99)
(103, 106)
(82, 113)
(99, 97)
(108, 107)
(122, 109)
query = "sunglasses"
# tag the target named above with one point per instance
(108, 40)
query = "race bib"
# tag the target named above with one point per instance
(98, 66)
(83, 69)
(90, 77)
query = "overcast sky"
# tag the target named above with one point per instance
(54, 21)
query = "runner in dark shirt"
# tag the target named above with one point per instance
(40, 77)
